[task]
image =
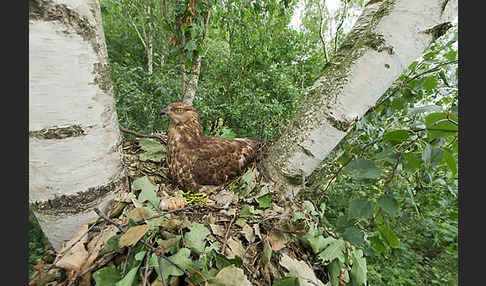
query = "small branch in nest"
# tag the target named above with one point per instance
(227, 232)
(151, 247)
(146, 273)
(159, 259)
(162, 139)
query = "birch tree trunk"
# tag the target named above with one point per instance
(74, 140)
(190, 90)
(387, 37)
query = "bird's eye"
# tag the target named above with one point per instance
(180, 110)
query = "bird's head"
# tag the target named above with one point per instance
(179, 112)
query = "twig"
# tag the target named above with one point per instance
(227, 232)
(164, 140)
(339, 26)
(159, 259)
(146, 268)
(126, 261)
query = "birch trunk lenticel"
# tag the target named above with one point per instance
(387, 37)
(74, 140)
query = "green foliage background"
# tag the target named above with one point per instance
(389, 188)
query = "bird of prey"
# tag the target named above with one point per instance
(199, 162)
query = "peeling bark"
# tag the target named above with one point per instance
(387, 37)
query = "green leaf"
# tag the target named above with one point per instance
(223, 261)
(232, 276)
(319, 243)
(354, 235)
(364, 169)
(358, 271)
(140, 255)
(227, 133)
(112, 243)
(107, 276)
(335, 271)
(451, 162)
(267, 252)
(411, 161)
(182, 258)
(396, 136)
(333, 251)
(265, 201)
(389, 204)
(427, 154)
(190, 46)
(425, 109)
(129, 278)
(249, 211)
(287, 281)
(360, 208)
(389, 236)
(148, 192)
(439, 126)
(154, 151)
(377, 244)
(195, 238)
(430, 83)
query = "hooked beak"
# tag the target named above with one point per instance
(164, 111)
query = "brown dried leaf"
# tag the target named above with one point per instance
(217, 229)
(248, 233)
(133, 235)
(277, 240)
(76, 256)
(138, 214)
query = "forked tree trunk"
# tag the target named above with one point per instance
(388, 36)
(74, 140)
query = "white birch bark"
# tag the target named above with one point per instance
(388, 36)
(70, 93)
(191, 88)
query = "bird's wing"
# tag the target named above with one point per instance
(221, 158)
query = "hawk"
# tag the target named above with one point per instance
(199, 162)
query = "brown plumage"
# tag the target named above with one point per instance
(198, 162)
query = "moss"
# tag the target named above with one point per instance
(77, 203)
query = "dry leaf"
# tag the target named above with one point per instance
(97, 244)
(277, 240)
(133, 235)
(138, 214)
(76, 256)
(217, 229)
(173, 203)
(248, 233)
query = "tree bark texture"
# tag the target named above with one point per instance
(74, 141)
(387, 37)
